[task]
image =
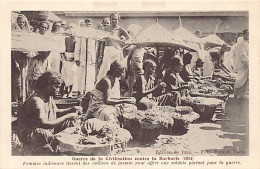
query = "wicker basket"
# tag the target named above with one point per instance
(207, 114)
(142, 131)
(146, 125)
(67, 103)
(223, 97)
(205, 110)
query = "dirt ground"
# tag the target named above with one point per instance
(226, 135)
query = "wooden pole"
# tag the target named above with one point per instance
(180, 21)
(159, 69)
(23, 80)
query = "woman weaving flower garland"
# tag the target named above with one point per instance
(149, 95)
(174, 83)
(39, 118)
(106, 100)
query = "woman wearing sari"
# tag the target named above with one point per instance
(59, 53)
(21, 24)
(19, 60)
(40, 63)
(174, 83)
(147, 93)
(105, 101)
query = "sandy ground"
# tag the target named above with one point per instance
(226, 135)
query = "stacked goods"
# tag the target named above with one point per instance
(184, 113)
(159, 117)
(228, 88)
(225, 79)
(228, 78)
(105, 131)
(114, 133)
(153, 116)
(146, 125)
(206, 107)
(182, 116)
(95, 137)
(209, 92)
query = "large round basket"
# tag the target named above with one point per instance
(142, 131)
(206, 109)
(206, 113)
(67, 103)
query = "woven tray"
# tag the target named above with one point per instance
(69, 143)
(67, 103)
(223, 97)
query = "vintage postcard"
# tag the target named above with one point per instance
(123, 84)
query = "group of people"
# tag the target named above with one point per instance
(134, 71)
(86, 60)
(48, 72)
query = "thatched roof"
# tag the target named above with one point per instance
(213, 39)
(157, 35)
(185, 35)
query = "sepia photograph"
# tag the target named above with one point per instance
(130, 83)
(138, 86)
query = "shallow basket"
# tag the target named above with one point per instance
(223, 97)
(67, 103)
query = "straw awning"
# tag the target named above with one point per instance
(185, 35)
(134, 29)
(29, 41)
(91, 33)
(212, 41)
(156, 35)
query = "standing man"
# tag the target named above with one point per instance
(85, 58)
(241, 62)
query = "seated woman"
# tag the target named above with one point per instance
(105, 101)
(186, 73)
(39, 118)
(172, 79)
(148, 94)
(197, 69)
